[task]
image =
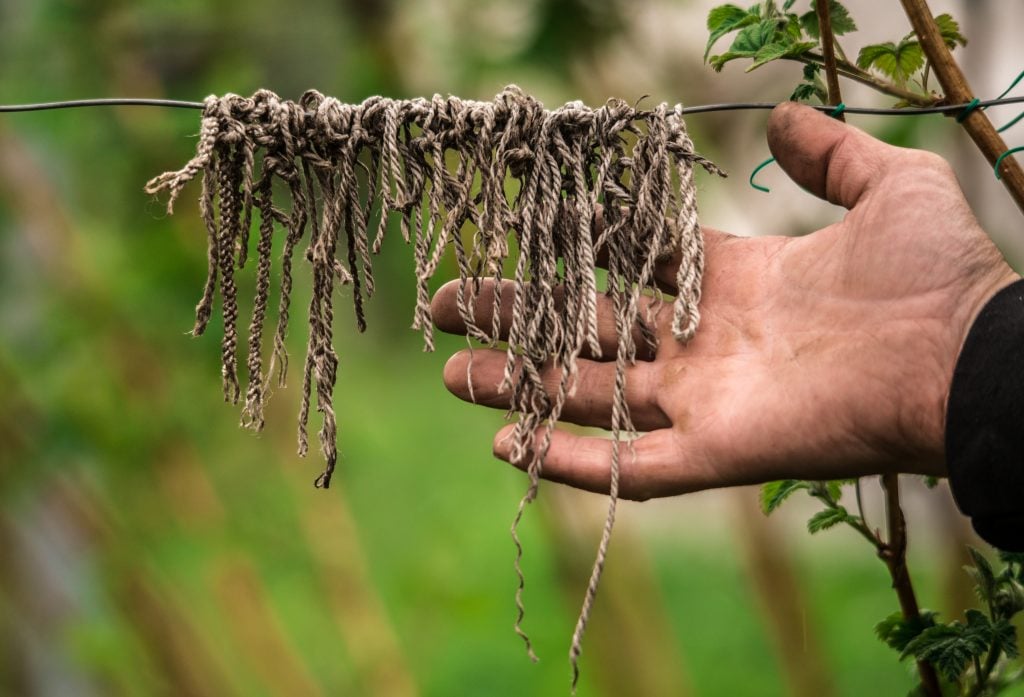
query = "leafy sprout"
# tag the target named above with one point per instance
(767, 32)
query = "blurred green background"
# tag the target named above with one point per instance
(149, 546)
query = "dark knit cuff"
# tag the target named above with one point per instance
(985, 422)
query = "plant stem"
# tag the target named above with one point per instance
(894, 553)
(982, 673)
(958, 91)
(828, 50)
(852, 72)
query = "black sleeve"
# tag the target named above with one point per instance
(985, 422)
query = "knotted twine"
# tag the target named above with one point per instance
(440, 165)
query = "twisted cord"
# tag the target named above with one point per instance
(341, 165)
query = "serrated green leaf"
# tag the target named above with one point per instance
(799, 48)
(725, 15)
(777, 50)
(811, 71)
(842, 22)
(718, 62)
(753, 38)
(1012, 557)
(828, 518)
(1004, 638)
(872, 52)
(835, 488)
(768, 53)
(949, 647)
(976, 619)
(1009, 596)
(774, 493)
(897, 61)
(950, 30)
(728, 18)
(983, 575)
(808, 90)
(897, 632)
(793, 29)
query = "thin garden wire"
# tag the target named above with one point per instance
(699, 109)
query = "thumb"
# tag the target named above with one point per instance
(832, 160)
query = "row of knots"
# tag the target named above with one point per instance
(502, 184)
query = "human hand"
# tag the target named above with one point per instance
(818, 357)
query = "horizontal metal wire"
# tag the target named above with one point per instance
(700, 109)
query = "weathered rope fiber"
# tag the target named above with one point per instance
(441, 165)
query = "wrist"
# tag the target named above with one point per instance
(976, 297)
(984, 438)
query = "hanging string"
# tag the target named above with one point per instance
(342, 166)
(339, 163)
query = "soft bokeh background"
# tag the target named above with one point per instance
(149, 546)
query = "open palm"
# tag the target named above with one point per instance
(817, 357)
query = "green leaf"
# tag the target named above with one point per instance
(828, 518)
(1012, 557)
(897, 61)
(777, 50)
(793, 29)
(1004, 638)
(774, 493)
(931, 482)
(1009, 596)
(724, 16)
(748, 42)
(768, 53)
(807, 91)
(872, 52)
(727, 18)
(999, 636)
(835, 487)
(950, 30)
(842, 22)
(788, 4)
(897, 632)
(718, 62)
(983, 575)
(752, 39)
(952, 647)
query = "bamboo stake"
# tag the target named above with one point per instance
(958, 91)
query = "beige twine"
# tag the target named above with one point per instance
(344, 165)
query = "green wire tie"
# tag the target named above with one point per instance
(1003, 157)
(1006, 92)
(962, 116)
(973, 104)
(754, 174)
(840, 108)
